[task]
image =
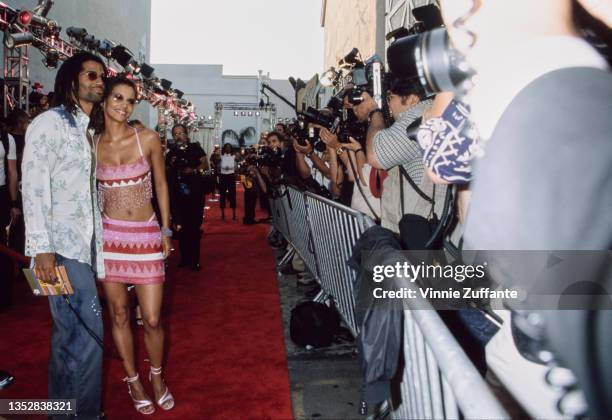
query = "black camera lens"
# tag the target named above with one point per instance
(430, 57)
(319, 146)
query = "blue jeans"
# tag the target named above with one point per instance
(75, 364)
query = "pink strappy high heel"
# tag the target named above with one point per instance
(145, 407)
(167, 396)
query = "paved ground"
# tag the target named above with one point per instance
(324, 382)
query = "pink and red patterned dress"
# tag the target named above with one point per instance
(132, 250)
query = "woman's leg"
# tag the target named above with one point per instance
(150, 300)
(117, 299)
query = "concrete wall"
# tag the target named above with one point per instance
(127, 22)
(352, 23)
(205, 84)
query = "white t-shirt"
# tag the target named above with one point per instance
(228, 164)
(358, 202)
(12, 155)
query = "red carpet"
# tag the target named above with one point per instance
(225, 355)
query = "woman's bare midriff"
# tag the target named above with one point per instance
(141, 214)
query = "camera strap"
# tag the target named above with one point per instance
(413, 184)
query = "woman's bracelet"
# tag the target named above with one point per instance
(167, 232)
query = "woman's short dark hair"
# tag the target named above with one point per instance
(67, 80)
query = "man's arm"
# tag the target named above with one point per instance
(391, 146)
(300, 159)
(320, 165)
(13, 177)
(39, 158)
(377, 123)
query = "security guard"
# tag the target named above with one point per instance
(186, 163)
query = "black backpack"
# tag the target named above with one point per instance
(314, 324)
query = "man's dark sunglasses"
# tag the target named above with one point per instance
(92, 76)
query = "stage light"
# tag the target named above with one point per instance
(124, 57)
(257, 113)
(242, 114)
(134, 66)
(91, 42)
(76, 33)
(51, 59)
(166, 84)
(121, 55)
(235, 113)
(146, 71)
(250, 114)
(25, 17)
(18, 39)
(105, 48)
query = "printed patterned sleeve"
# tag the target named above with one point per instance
(39, 157)
(450, 144)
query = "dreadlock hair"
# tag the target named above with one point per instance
(67, 80)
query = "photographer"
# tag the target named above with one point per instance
(248, 178)
(310, 164)
(387, 148)
(186, 162)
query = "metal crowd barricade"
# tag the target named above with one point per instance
(323, 233)
(439, 381)
(301, 238)
(282, 223)
(335, 229)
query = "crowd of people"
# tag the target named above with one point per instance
(524, 146)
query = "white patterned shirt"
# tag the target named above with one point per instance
(59, 197)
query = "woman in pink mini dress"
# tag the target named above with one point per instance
(134, 245)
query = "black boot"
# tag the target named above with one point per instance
(222, 214)
(233, 214)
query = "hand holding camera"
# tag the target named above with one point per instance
(305, 149)
(330, 139)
